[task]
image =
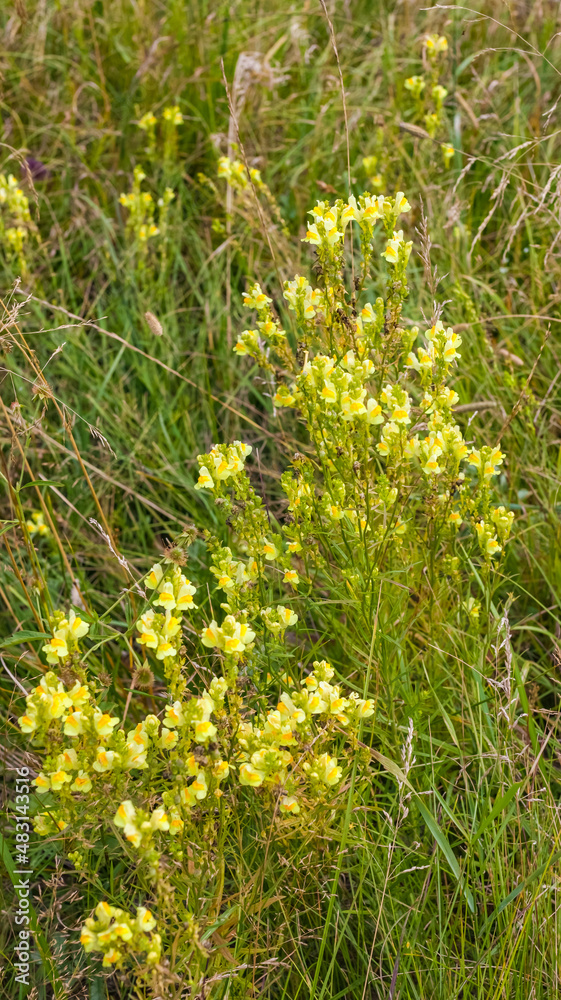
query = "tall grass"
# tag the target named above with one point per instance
(444, 885)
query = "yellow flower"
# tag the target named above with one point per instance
(73, 723)
(68, 760)
(104, 723)
(144, 919)
(126, 813)
(205, 480)
(447, 154)
(204, 731)
(289, 804)
(82, 783)
(287, 616)
(391, 253)
(374, 412)
(173, 115)
(79, 694)
(174, 715)
(176, 825)
(37, 526)
(58, 779)
(56, 649)
(88, 939)
(221, 770)
(436, 44)
(154, 577)
(105, 760)
(159, 819)
(147, 121)
(270, 551)
(250, 775)
(111, 957)
(168, 739)
(42, 783)
(27, 724)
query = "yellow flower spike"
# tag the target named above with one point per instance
(173, 115)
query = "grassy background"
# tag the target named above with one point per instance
(76, 78)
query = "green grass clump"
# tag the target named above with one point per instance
(431, 869)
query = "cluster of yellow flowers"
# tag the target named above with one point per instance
(171, 119)
(117, 934)
(373, 393)
(141, 219)
(236, 174)
(429, 95)
(258, 752)
(264, 743)
(66, 633)
(15, 219)
(36, 525)
(225, 461)
(86, 745)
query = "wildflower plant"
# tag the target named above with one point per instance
(16, 225)
(387, 476)
(384, 485)
(166, 784)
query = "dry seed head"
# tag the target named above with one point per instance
(43, 390)
(154, 324)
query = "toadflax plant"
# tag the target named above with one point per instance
(387, 517)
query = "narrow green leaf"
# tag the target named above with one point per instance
(447, 851)
(7, 526)
(23, 636)
(520, 888)
(500, 805)
(433, 826)
(40, 482)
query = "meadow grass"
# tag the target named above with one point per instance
(443, 886)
